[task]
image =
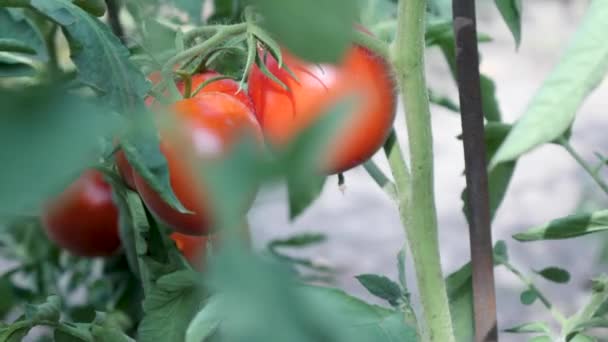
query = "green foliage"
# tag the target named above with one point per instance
(553, 108)
(46, 131)
(382, 287)
(567, 227)
(511, 11)
(555, 274)
(290, 22)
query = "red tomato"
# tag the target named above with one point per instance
(226, 86)
(207, 125)
(285, 113)
(192, 247)
(124, 169)
(83, 219)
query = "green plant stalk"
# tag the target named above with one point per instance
(419, 215)
(598, 180)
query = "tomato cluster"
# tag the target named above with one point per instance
(84, 219)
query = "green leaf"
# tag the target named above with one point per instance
(489, 102)
(169, 307)
(206, 321)
(194, 8)
(460, 294)
(101, 59)
(303, 192)
(381, 287)
(511, 13)
(14, 332)
(567, 227)
(226, 11)
(299, 240)
(47, 130)
(553, 108)
(543, 338)
(533, 327)
(109, 334)
(500, 252)
(364, 321)
(47, 311)
(14, 25)
(401, 268)
(325, 41)
(555, 274)
(94, 7)
(528, 297)
(12, 45)
(142, 149)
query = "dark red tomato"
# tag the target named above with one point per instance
(285, 113)
(83, 219)
(207, 126)
(124, 169)
(193, 247)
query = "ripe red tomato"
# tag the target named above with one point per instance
(124, 169)
(285, 113)
(226, 86)
(83, 219)
(207, 125)
(192, 247)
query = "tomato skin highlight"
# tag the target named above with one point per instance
(83, 219)
(207, 125)
(285, 113)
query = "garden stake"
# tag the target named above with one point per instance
(467, 60)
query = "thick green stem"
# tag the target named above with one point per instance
(420, 215)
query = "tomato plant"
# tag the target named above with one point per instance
(207, 125)
(83, 219)
(319, 83)
(286, 109)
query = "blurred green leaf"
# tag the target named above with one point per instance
(101, 59)
(489, 102)
(460, 294)
(49, 137)
(47, 311)
(226, 11)
(553, 108)
(299, 240)
(206, 321)
(170, 306)
(543, 338)
(94, 7)
(109, 334)
(13, 332)
(267, 292)
(142, 149)
(13, 45)
(381, 287)
(533, 327)
(511, 13)
(567, 227)
(401, 268)
(528, 297)
(194, 8)
(14, 25)
(555, 274)
(325, 41)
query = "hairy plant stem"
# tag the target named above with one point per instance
(416, 197)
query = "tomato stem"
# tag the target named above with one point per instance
(416, 191)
